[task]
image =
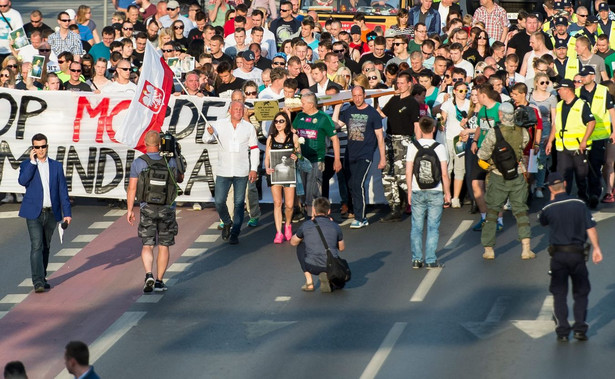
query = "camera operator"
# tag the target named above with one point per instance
(157, 205)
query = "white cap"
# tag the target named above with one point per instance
(71, 13)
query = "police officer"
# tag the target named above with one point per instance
(570, 223)
(601, 105)
(157, 221)
(574, 124)
(566, 66)
(500, 189)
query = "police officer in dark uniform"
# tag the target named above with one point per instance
(570, 223)
(573, 126)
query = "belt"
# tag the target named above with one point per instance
(46, 209)
(579, 249)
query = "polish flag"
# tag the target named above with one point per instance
(148, 108)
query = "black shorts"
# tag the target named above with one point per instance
(478, 173)
(157, 220)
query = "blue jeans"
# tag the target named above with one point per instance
(426, 204)
(223, 185)
(41, 230)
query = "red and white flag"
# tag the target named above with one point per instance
(149, 106)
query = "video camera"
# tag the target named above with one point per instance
(170, 148)
(525, 117)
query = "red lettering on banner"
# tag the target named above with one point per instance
(105, 119)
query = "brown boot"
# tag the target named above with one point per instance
(527, 253)
(489, 253)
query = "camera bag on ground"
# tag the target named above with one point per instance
(427, 168)
(156, 184)
(504, 157)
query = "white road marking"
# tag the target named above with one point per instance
(113, 334)
(347, 222)
(543, 324)
(214, 226)
(101, 225)
(282, 298)
(115, 213)
(85, 238)
(14, 298)
(462, 228)
(194, 252)
(154, 297)
(492, 324)
(54, 266)
(601, 216)
(3, 313)
(425, 286)
(9, 214)
(179, 267)
(67, 252)
(383, 351)
(207, 238)
(27, 282)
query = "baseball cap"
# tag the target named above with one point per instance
(587, 70)
(564, 83)
(539, 16)
(248, 55)
(561, 21)
(560, 44)
(355, 29)
(558, 5)
(71, 13)
(280, 55)
(554, 178)
(173, 4)
(567, 3)
(592, 19)
(390, 33)
(603, 7)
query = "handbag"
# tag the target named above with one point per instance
(338, 271)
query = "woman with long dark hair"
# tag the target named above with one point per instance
(280, 137)
(480, 48)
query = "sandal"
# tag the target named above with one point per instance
(308, 287)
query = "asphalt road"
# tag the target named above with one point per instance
(238, 311)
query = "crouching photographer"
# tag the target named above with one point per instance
(153, 182)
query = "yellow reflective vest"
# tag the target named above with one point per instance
(568, 136)
(601, 114)
(573, 66)
(611, 34)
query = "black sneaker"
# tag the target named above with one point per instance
(226, 232)
(149, 282)
(160, 286)
(562, 338)
(234, 240)
(47, 286)
(432, 265)
(580, 336)
(417, 264)
(39, 288)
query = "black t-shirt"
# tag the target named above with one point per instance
(81, 87)
(370, 57)
(303, 81)
(195, 34)
(223, 57)
(22, 85)
(401, 115)
(473, 56)
(137, 58)
(361, 124)
(225, 90)
(29, 28)
(263, 63)
(587, 114)
(353, 66)
(521, 43)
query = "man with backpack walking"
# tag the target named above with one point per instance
(426, 177)
(156, 199)
(503, 148)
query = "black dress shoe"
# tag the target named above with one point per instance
(234, 240)
(562, 338)
(580, 336)
(47, 286)
(226, 232)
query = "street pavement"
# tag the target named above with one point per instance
(238, 311)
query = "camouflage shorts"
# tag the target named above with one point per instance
(158, 221)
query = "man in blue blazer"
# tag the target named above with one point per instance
(44, 204)
(77, 360)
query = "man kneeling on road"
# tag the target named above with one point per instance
(157, 207)
(504, 146)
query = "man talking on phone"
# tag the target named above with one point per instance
(44, 204)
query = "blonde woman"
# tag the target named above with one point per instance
(164, 35)
(345, 74)
(84, 19)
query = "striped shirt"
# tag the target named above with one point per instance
(71, 43)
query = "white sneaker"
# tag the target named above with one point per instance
(196, 207)
(507, 206)
(455, 203)
(539, 194)
(8, 198)
(19, 198)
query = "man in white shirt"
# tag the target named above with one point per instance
(457, 58)
(276, 90)
(247, 70)
(173, 15)
(268, 36)
(11, 21)
(236, 137)
(122, 83)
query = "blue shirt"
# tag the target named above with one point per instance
(315, 253)
(99, 50)
(568, 219)
(361, 124)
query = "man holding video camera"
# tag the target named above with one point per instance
(156, 199)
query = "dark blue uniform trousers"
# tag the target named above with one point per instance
(564, 265)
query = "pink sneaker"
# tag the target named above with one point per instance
(288, 231)
(279, 238)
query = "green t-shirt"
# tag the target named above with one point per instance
(609, 62)
(314, 129)
(413, 46)
(487, 119)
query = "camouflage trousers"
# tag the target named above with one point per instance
(394, 174)
(157, 221)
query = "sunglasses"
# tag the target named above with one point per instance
(372, 77)
(44, 50)
(167, 50)
(338, 51)
(34, 22)
(124, 68)
(481, 37)
(251, 93)
(73, 70)
(171, 9)
(4, 6)
(581, 15)
(279, 121)
(370, 38)
(462, 90)
(425, 53)
(11, 66)
(547, 82)
(176, 27)
(278, 64)
(5, 75)
(447, 76)
(397, 43)
(60, 62)
(62, 20)
(40, 147)
(128, 28)
(457, 80)
(284, 10)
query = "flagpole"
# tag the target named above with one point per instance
(207, 123)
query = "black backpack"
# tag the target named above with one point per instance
(525, 116)
(156, 183)
(427, 168)
(504, 157)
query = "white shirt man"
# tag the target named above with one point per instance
(122, 84)
(15, 21)
(247, 71)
